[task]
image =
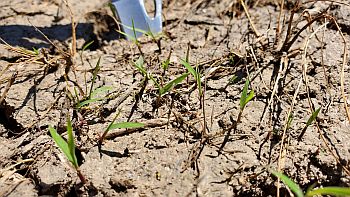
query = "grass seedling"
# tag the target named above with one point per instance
(244, 100)
(93, 92)
(94, 76)
(120, 125)
(295, 188)
(194, 72)
(68, 147)
(171, 84)
(309, 122)
(162, 90)
(245, 96)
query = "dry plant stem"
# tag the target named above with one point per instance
(322, 56)
(287, 45)
(74, 38)
(342, 75)
(278, 28)
(257, 34)
(14, 165)
(293, 11)
(275, 87)
(281, 157)
(7, 88)
(47, 39)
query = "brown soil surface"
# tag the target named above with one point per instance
(188, 146)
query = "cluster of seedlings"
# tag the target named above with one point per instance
(169, 88)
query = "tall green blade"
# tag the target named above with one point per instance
(125, 125)
(61, 143)
(139, 65)
(70, 142)
(94, 75)
(290, 184)
(313, 117)
(335, 191)
(99, 90)
(172, 84)
(189, 68)
(245, 97)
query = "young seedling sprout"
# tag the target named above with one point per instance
(244, 100)
(309, 122)
(162, 90)
(68, 147)
(194, 72)
(120, 125)
(295, 188)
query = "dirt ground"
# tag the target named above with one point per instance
(190, 145)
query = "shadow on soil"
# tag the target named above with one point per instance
(29, 37)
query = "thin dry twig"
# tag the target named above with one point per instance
(281, 156)
(73, 49)
(256, 32)
(8, 86)
(278, 28)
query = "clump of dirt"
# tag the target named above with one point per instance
(196, 140)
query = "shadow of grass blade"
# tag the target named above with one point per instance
(289, 183)
(172, 84)
(61, 143)
(335, 191)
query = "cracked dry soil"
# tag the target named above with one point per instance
(171, 155)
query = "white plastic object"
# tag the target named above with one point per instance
(129, 11)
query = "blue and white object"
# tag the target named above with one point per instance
(129, 11)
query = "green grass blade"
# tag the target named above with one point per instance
(198, 79)
(134, 31)
(87, 102)
(249, 97)
(245, 97)
(166, 63)
(86, 46)
(150, 76)
(313, 117)
(94, 75)
(335, 191)
(289, 183)
(125, 125)
(61, 143)
(172, 84)
(101, 89)
(36, 51)
(139, 65)
(189, 68)
(70, 142)
(234, 79)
